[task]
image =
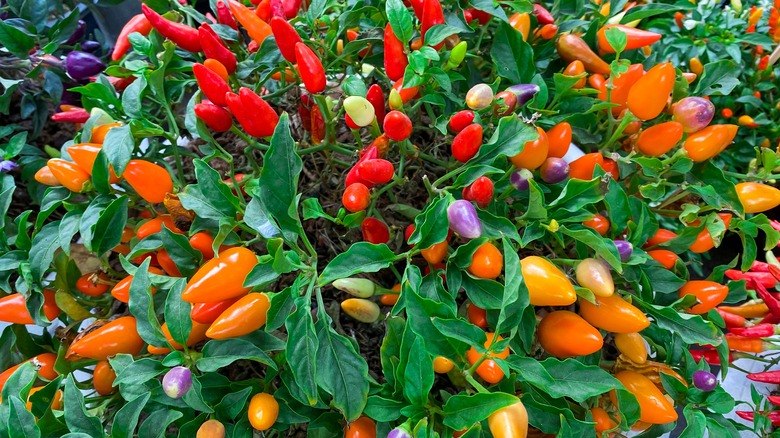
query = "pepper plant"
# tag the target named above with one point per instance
(381, 219)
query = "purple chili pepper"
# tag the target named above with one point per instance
(464, 220)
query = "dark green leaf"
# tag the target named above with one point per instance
(461, 411)
(142, 307)
(302, 348)
(118, 147)
(218, 354)
(177, 313)
(76, 416)
(418, 374)
(126, 418)
(360, 257)
(513, 57)
(210, 198)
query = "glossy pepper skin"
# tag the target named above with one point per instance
(13, 308)
(559, 140)
(256, 28)
(632, 346)
(466, 144)
(757, 197)
(211, 84)
(116, 337)
(254, 114)
(85, 154)
(222, 277)
(704, 242)
(263, 411)
(68, 174)
(534, 152)
(648, 96)
(614, 314)
(310, 68)
(121, 290)
(659, 139)
(363, 427)
(565, 334)
(708, 293)
(103, 378)
(206, 313)
(224, 16)
(214, 48)
(242, 317)
(573, 48)
(547, 285)
(197, 334)
(149, 180)
(45, 361)
(216, 118)
(709, 142)
(286, 38)
(655, 408)
(431, 16)
(664, 257)
(395, 59)
(509, 422)
(635, 38)
(180, 34)
(377, 99)
(138, 23)
(488, 370)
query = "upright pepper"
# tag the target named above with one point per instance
(119, 336)
(377, 99)
(395, 58)
(310, 68)
(214, 48)
(222, 277)
(257, 29)
(211, 84)
(432, 15)
(286, 38)
(648, 96)
(253, 113)
(182, 35)
(139, 24)
(757, 197)
(224, 16)
(635, 38)
(573, 48)
(521, 22)
(216, 118)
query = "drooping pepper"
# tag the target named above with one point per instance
(253, 113)
(310, 68)
(377, 99)
(119, 336)
(180, 34)
(395, 60)
(635, 38)
(731, 320)
(286, 38)
(211, 84)
(214, 48)
(708, 293)
(222, 277)
(547, 285)
(573, 48)
(654, 407)
(614, 314)
(139, 24)
(224, 16)
(432, 15)
(257, 29)
(216, 118)
(765, 377)
(13, 308)
(565, 334)
(762, 330)
(709, 142)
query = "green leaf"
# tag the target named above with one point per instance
(650, 10)
(432, 225)
(138, 372)
(691, 328)
(232, 404)
(697, 423)
(186, 258)
(604, 248)
(341, 371)
(218, 354)
(44, 244)
(418, 374)
(107, 232)
(461, 410)
(400, 20)
(460, 329)
(278, 181)
(719, 77)
(361, 257)
(507, 140)
(126, 418)
(616, 38)
(516, 297)
(157, 422)
(512, 56)
(16, 41)
(118, 147)
(440, 32)
(302, 348)
(21, 422)
(76, 416)
(577, 381)
(177, 313)
(141, 307)
(383, 409)
(210, 198)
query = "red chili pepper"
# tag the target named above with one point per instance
(431, 16)
(770, 301)
(460, 120)
(224, 16)
(759, 266)
(635, 38)
(480, 191)
(417, 6)
(214, 48)
(310, 68)
(775, 271)
(764, 278)
(263, 10)
(762, 330)
(774, 399)
(318, 130)
(773, 416)
(466, 144)
(286, 38)
(376, 98)
(206, 313)
(182, 35)
(374, 231)
(120, 83)
(291, 8)
(353, 176)
(770, 319)
(216, 118)
(765, 377)
(139, 24)
(375, 171)
(256, 28)
(731, 319)
(304, 111)
(543, 16)
(395, 58)
(253, 113)
(709, 356)
(211, 84)
(77, 115)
